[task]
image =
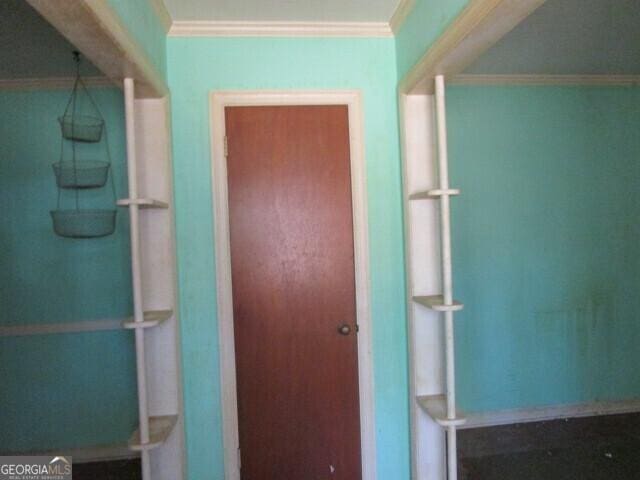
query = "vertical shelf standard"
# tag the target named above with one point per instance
(152, 431)
(442, 408)
(136, 276)
(447, 279)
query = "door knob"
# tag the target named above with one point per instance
(344, 329)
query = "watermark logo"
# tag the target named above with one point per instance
(35, 468)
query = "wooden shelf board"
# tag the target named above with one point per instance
(142, 203)
(436, 408)
(436, 302)
(152, 318)
(434, 194)
(159, 430)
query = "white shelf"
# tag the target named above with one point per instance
(159, 430)
(142, 203)
(434, 194)
(56, 328)
(436, 302)
(436, 408)
(152, 318)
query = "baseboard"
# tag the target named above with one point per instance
(87, 454)
(539, 414)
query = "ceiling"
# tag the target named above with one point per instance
(569, 37)
(282, 10)
(31, 48)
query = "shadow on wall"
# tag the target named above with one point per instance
(51, 398)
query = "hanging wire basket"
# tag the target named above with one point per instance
(77, 174)
(81, 174)
(81, 128)
(84, 223)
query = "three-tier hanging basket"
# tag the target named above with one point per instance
(74, 172)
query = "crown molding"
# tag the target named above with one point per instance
(279, 29)
(534, 79)
(400, 15)
(162, 13)
(213, 28)
(52, 83)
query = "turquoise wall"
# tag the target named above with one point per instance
(426, 22)
(545, 242)
(73, 389)
(544, 257)
(198, 66)
(140, 18)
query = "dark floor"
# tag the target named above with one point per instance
(594, 448)
(113, 470)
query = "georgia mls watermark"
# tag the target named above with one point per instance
(35, 468)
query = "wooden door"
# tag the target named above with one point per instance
(292, 259)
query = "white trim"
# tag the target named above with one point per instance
(542, 79)
(53, 83)
(353, 100)
(539, 414)
(400, 15)
(86, 454)
(199, 28)
(72, 327)
(162, 13)
(406, 148)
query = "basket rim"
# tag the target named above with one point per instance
(80, 164)
(72, 212)
(90, 120)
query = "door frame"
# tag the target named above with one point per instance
(218, 101)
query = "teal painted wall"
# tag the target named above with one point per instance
(426, 22)
(73, 389)
(140, 18)
(545, 242)
(196, 67)
(544, 257)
